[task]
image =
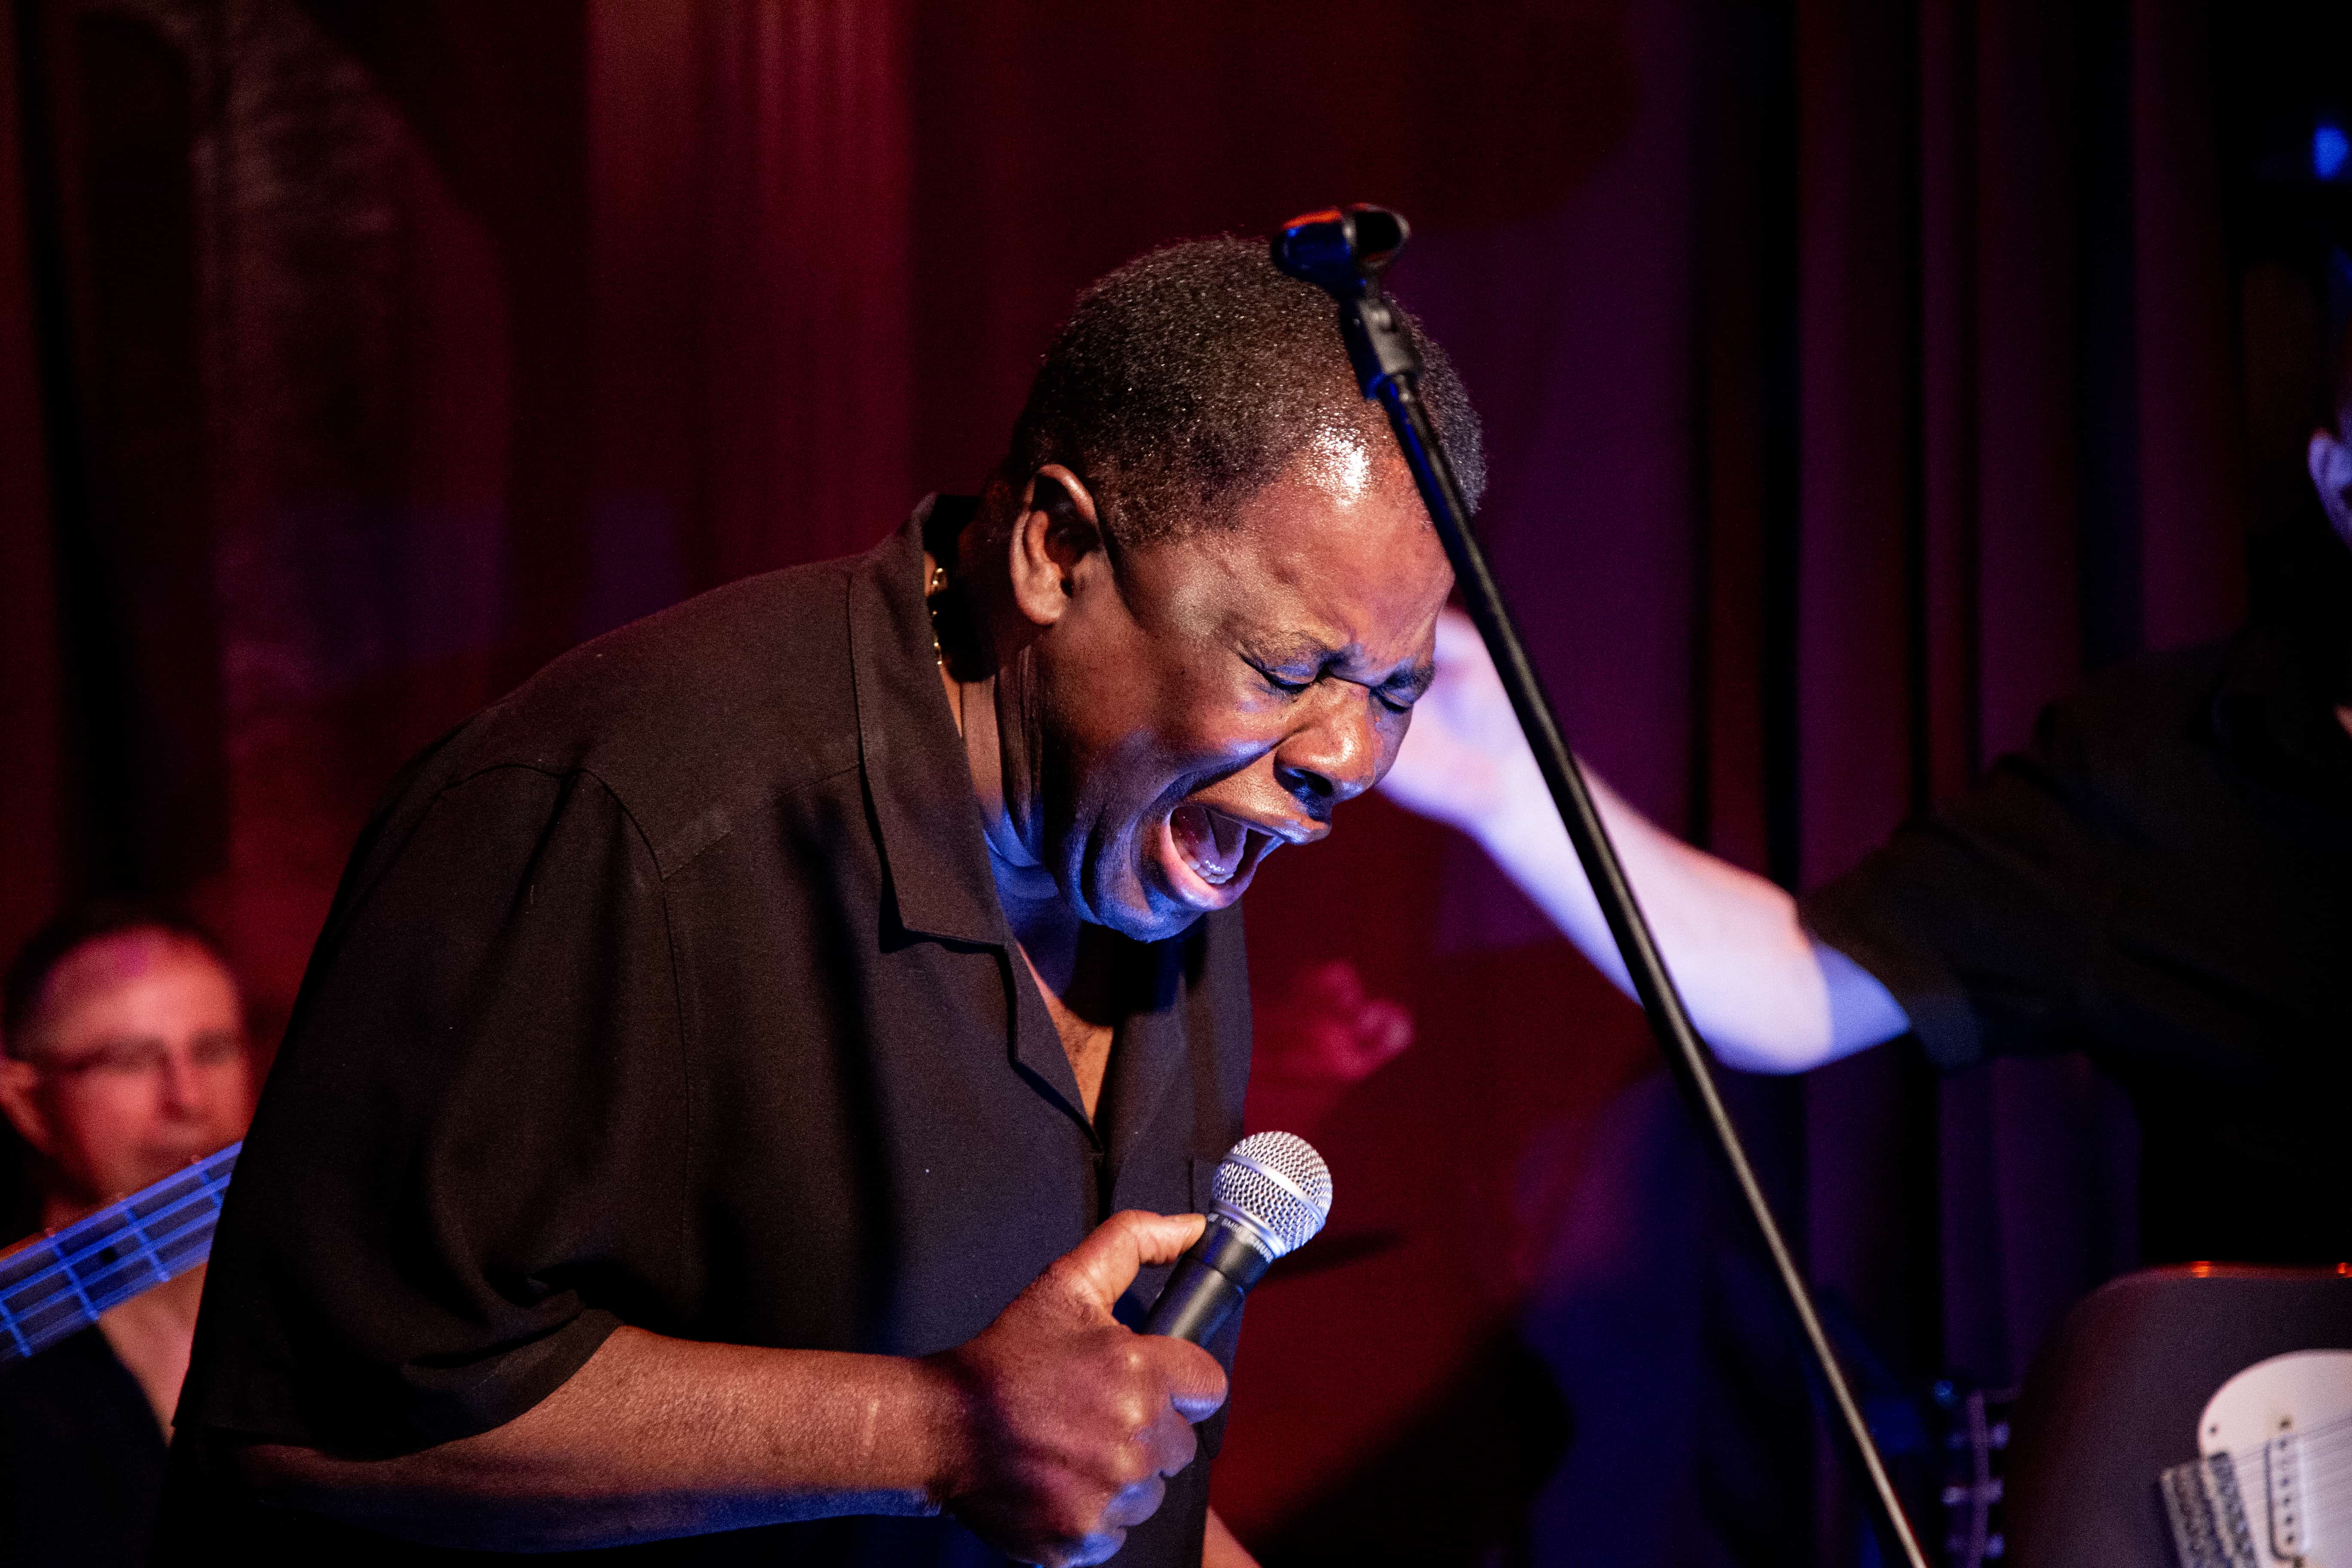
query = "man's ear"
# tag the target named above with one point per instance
(20, 1100)
(2330, 460)
(1055, 529)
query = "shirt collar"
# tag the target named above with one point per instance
(926, 817)
(933, 844)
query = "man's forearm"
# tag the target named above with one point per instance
(656, 1438)
(1048, 1434)
(1760, 989)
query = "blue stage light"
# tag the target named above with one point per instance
(2330, 148)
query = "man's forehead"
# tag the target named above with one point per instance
(1298, 534)
(108, 965)
(120, 956)
(1299, 605)
(1337, 462)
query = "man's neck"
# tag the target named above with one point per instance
(1075, 967)
(152, 1335)
(1074, 964)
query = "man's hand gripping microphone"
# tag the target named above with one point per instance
(1271, 1194)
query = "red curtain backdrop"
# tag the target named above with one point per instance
(33, 832)
(1856, 378)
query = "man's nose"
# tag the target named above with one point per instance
(1335, 757)
(182, 1087)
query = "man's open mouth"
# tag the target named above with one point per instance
(1214, 846)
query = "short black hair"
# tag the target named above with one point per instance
(72, 928)
(1194, 375)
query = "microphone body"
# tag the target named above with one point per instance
(1271, 1194)
(1210, 1281)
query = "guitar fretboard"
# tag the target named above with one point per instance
(57, 1285)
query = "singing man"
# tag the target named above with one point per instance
(752, 1074)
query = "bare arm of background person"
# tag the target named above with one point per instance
(1765, 995)
(1048, 1434)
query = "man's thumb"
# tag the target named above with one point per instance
(1101, 1267)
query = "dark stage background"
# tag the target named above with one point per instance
(1858, 376)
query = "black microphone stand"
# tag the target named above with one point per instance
(1344, 252)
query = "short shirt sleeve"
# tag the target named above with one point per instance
(467, 1166)
(1982, 918)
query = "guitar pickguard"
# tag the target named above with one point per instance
(2274, 1487)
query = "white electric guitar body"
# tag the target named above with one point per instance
(2198, 1417)
(2274, 1487)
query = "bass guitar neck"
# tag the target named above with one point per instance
(52, 1287)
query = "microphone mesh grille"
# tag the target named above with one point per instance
(1278, 1180)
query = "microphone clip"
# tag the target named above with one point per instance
(1343, 251)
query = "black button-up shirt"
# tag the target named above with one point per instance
(2162, 878)
(81, 1459)
(674, 991)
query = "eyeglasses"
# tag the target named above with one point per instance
(142, 1056)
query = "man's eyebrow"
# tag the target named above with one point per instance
(1284, 649)
(1416, 678)
(99, 1049)
(1288, 650)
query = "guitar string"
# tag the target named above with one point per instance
(29, 1322)
(70, 1267)
(116, 1284)
(2325, 1464)
(2254, 1496)
(95, 1289)
(67, 1263)
(211, 1173)
(2320, 1493)
(2324, 1502)
(2335, 1463)
(2327, 1437)
(2325, 1467)
(113, 1266)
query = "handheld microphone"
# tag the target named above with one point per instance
(1271, 1194)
